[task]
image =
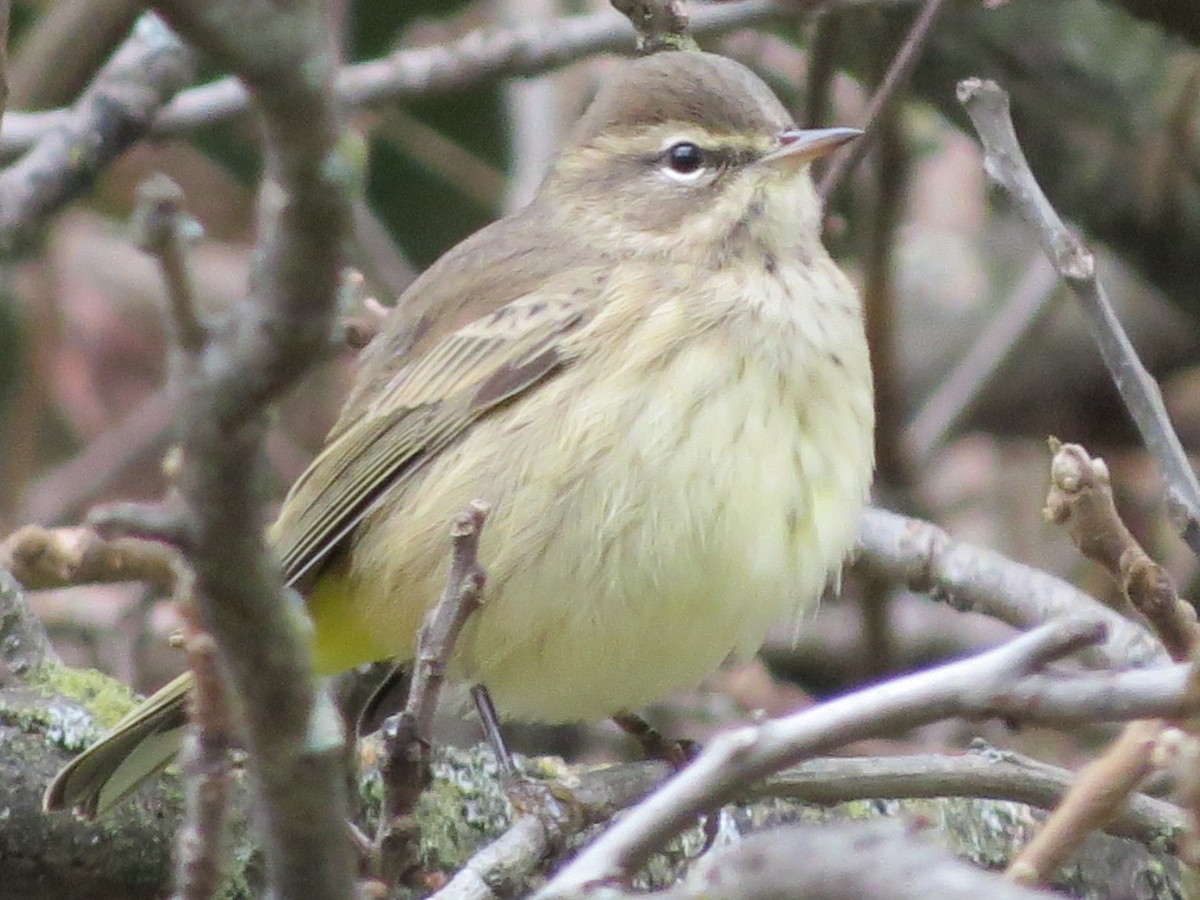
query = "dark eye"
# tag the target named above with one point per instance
(685, 158)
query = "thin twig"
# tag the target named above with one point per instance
(43, 558)
(958, 391)
(1005, 163)
(1081, 500)
(482, 56)
(1101, 790)
(901, 67)
(408, 736)
(1003, 682)
(469, 174)
(159, 231)
(204, 761)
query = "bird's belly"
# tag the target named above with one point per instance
(641, 536)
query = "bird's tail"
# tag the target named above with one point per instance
(137, 747)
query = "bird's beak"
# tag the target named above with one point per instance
(797, 146)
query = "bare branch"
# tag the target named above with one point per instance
(42, 558)
(1081, 500)
(984, 772)
(1002, 682)
(204, 761)
(408, 736)
(503, 867)
(480, 56)
(1004, 161)
(925, 558)
(113, 114)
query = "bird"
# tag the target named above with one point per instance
(654, 374)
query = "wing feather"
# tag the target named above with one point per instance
(420, 411)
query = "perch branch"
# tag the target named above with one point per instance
(1004, 682)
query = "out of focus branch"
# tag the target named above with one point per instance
(1004, 161)
(5, 10)
(224, 375)
(894, 80)
(852, 861)
(41, 558)
(957, 393)
(487, 54)
(113, 114)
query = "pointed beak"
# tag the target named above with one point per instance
(797, 147)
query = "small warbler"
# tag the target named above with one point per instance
(657, 378)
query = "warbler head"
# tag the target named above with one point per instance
(688, 154)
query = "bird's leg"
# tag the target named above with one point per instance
(387, 698)
(491, 729)
(677, 754)
(552, 803)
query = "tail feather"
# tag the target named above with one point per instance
(136, 748)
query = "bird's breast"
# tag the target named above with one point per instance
(653, 513)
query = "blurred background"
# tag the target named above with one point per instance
(979, 352)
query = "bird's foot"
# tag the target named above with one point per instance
(676, 753)
(552, 803)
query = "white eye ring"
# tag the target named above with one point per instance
(683, 161)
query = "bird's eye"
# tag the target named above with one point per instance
(684, 158)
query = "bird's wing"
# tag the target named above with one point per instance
(420, 411)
